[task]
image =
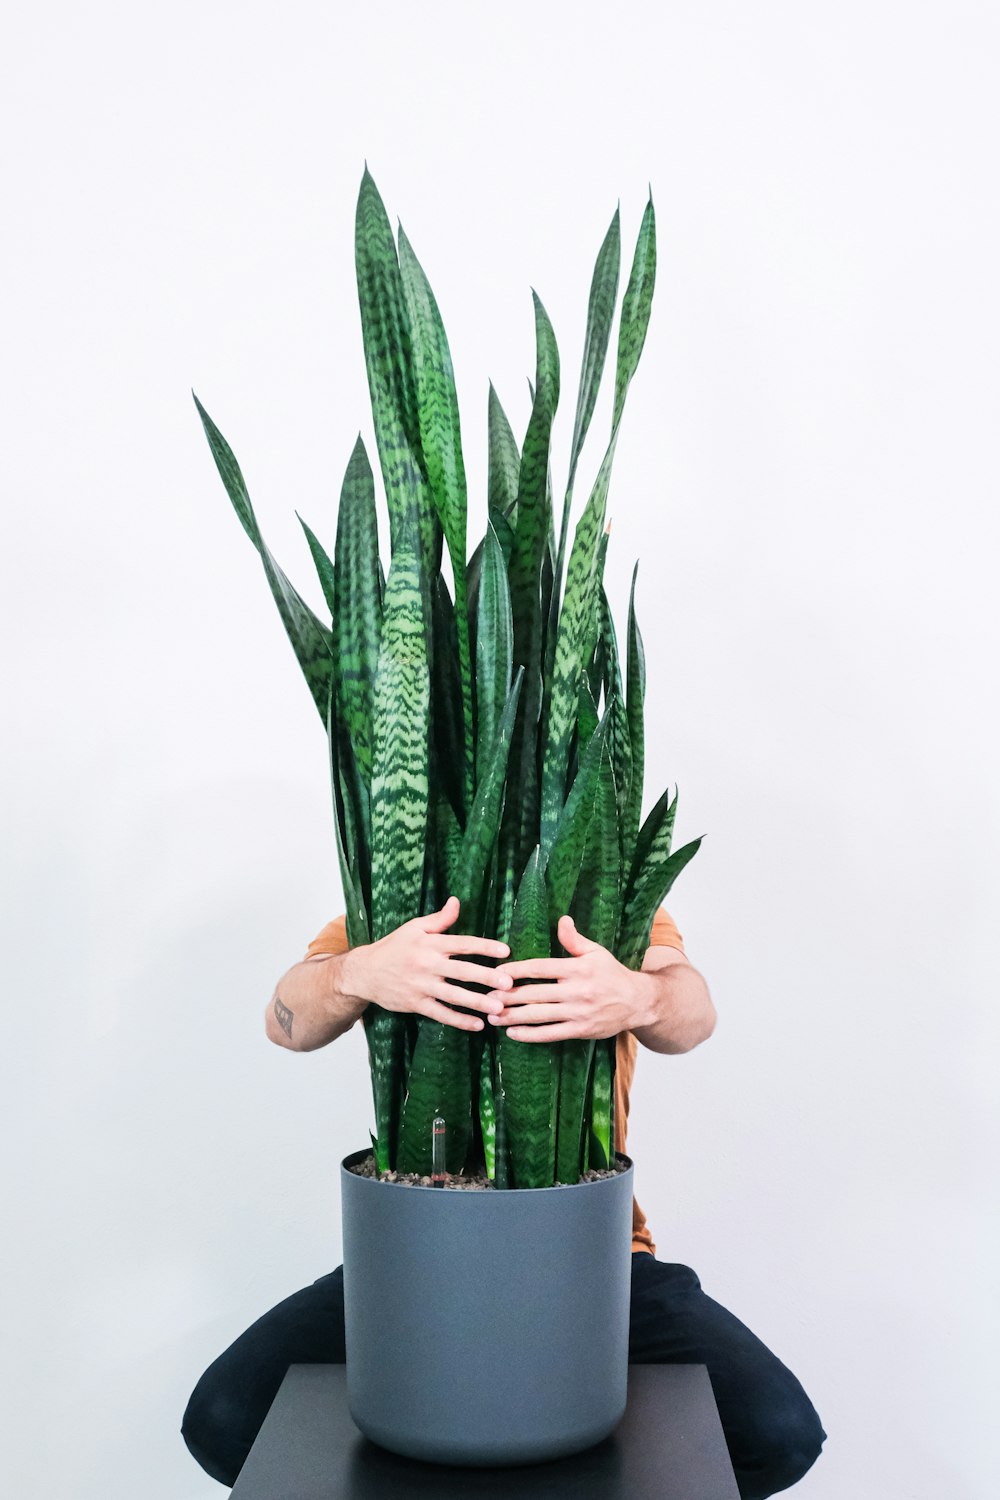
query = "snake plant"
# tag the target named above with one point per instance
(485, 740)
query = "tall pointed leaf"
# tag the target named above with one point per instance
(385, 332)
(356, 913)
(399, 805)
(635, 696)
(601, 1105)
(619, 742)
(399, 776)
(636, 305)
(530, 539)
(483, 825)
(488, 1111)
(562, 869)
(446, 696)
(595, 911)
(659, 828)
(357, 613)
(581, 583)
(494, 648)
(600, 315)
(441, 444)
(438, 1083)
(651, 889)
(324, 567)
(530, 1070)
(504, 459)
(311, 641)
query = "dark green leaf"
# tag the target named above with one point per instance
(385, 332)
(441, 444)
(311, 641)
(529, 1070)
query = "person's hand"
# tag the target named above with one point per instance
(411, 969)
(591, 994)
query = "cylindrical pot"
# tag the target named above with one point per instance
(486, 1327)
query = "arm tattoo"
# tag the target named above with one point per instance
(283, 1016)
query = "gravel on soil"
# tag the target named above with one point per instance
(476, 1181)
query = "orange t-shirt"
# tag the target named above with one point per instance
(333, 939)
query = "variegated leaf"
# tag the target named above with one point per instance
(530, 1070)
(311, 640)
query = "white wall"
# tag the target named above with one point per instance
(808, 472)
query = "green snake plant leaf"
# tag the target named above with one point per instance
(504, 460)
(636, 305)
(505, 536)
(598, 896)
(400, 717)
(565, 861)
(575, 615)
(494, 649)
(448, 851)
(571, 650)
(653, 885)
(488, 1111)
(324, 567)
(385, 1033)
(358, 605)
(587, 714)
(503, 1175)
(505, 533)
(356, 914)
(504, 466)
(385, 330)
(438, 1083)
(483, 825)
(311, 640)
(658, 828)
(635, 673)
(600, 316)
(399, 808)
(441, 444)
(446, 697)
(596, 909)
(530, 1070)
(601, 1110)
(620, 741)
(530, 541)
(354, 585)
(439, 1080)
(594, 649)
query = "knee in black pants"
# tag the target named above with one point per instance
(213, 1427)
(785, 1435)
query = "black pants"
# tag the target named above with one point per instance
(771, 1426)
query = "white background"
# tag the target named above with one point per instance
(807, 471)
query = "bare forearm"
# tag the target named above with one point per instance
(316, 1001)
(678, 1006)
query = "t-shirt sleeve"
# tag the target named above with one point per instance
(664, 933)
(332, 939)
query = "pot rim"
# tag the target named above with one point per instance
(417, 1187)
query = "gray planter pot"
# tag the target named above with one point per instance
(486, 1327)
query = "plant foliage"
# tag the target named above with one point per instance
(485, 740)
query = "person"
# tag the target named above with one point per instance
(772, 1429)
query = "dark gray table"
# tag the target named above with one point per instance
(669, 1444)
